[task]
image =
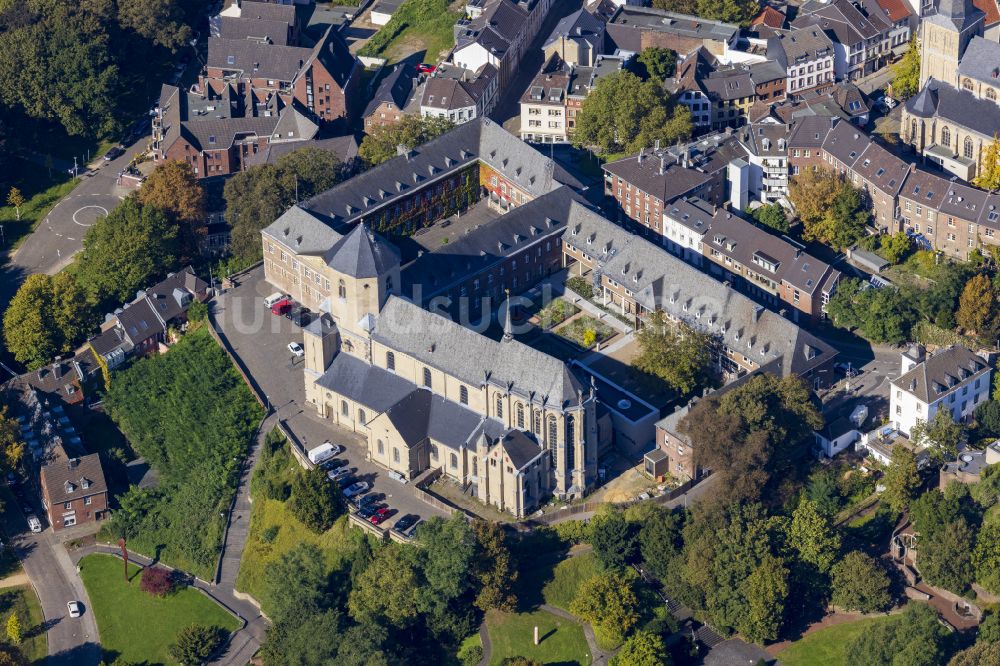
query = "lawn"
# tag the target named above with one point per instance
(556, 313)
(23, 601)
(41, 193)
(825, 647)
(577, 329)
(567, 578)
(417, 26)
(265, 545)
(137, 626)
(512, 635)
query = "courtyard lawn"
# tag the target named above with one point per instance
(556, 313)
(567, 578)
(576, 331)
(418, 26)
(826, 647)
(512, 635)
(23, 601)
(137, 626)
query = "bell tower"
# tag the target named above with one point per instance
(944, 36)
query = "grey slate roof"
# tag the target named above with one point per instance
(268, 11)
(960, 107)
(369, 385)
(275, 32)
(685, 25)
(302, 232)
(809, 131)
(520, 448)
(963, 202)
(266, 61)
(956, 14)
(662, 281)
(926, 188)
(394, 88)
(882, 169)
(344, 147)
(361, 254)
(666, 183)
(425, 415)
(461, 352)
(579, 23)
(940, 372)
(846, 143)
(804, 45)
(65, 479)
(139, 322)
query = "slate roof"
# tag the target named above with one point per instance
(956, 14)
(519, 447)
(266, 61)
(423, 415)
(452, 87)
(302, 232)
(662, 281)
(65, 479)
(960, 107)
(882, 169)
(846, 143)
(658, 20)
(394, 88)
(268, 11)
(274, 32)
(981, 61)
(963, 202)
(769, 70)
(809, 131)
(940, 372)
(729, 84)
(344, 147)
(461, 352)
(361, 254)
(580, 23)
(925, 188)
(797, 46)
(660, 176)
(366, 384)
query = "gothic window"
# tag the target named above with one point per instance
(913, 130)
(570, 442)
(381, 447)
(427, 377)
(945, 136)
(361, 416)
(967, 148)
(499, 406)
(553, 431)
(344, 408)
(520, 416)
(991, 94)
(537, 423)
(967, 84)
(390, 360)
(342, 289)
(463, 395)
(454, 461)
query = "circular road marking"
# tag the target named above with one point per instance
(92, 217)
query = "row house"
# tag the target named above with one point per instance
(642, 185)
(458, 94)
(953, 218)
(637, 277)
(772, 269)
(578, 39)
(388, 104)
(634, 28)
(806, 56)
(221, 133)
(766, 146)
(497, 33)
(584, 79)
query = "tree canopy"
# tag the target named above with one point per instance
(772, 216)
(674, 352)
(914, 638)
(907, 70)
(624, 114)
(860, 584)
(382, 143)
(47, 316)
(658, 62)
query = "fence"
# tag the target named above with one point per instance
(591, 507)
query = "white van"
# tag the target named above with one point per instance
(324, 451)
(34, 524)
(273, 298)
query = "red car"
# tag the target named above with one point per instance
(281, 307)
(379, 516)
(425, 68)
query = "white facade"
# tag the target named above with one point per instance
(699, 105)
(472, 56)
(543, 123)
(809, 74)
(946, 380)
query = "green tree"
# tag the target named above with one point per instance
(882, 315)
(812, 193)
(643, 648)
(914, 638)
(14, 631)
(689, 7)
(989, 169)
(259, 195)
(315, 501)
(901, 479)
(296, 583)
(812, 536)
(388, 588)
(658, 62)
(824, 491)
(73, 312)
(160, 21)
(608, 602)
(174, 189)
(613, 540)
(907, 70)
(942, 435)
(676, 353)
(624, 114)
(730, 11)
(496, 569)
(11, 445)
(980, 654)
(986, 558)
(195, 644)
(659, 541)
(843, 221)
(131, 248)
(945, 557)
(893, 248)
(449, 556)
(383, 142)
(989, 628)
(860, 584)
(15, 199)
(977, 307)
(293, 641)
(28, 329)
(772, 216)
(765, 589)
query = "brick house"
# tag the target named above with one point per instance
(74, 490)
(386, 107)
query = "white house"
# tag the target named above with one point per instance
(954, 378)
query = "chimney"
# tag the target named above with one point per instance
(640, 156)
(686, 163)
(663, 165)
(757, 312)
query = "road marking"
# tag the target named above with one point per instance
(82, 208)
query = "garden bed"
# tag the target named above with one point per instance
(586, 331)
(554, 313)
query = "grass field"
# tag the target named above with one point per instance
(137, 626)
(418, 26)
(23, 601)
(825, 647)
(567, 578)
(512, 635)
(41, 193)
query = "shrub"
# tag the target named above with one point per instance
(156, 581)
(472, 656)
(270, 534)
(574, 531)
(195, 644)
(581, 286)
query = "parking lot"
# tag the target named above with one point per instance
(261, 341)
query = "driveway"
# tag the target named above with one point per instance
(71, 641)
(260, 340)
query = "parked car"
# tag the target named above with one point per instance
(368, 511)
(396, 476)
(356, 488)
(273, 299)
(74, 608)
(34, 524)
(426, 68)
(301, 316)
(114, 153)
(406, 522)
(296, 349)
(380, 516)
(333, 463)
(281, 307)
(338, 474)
(370, 499)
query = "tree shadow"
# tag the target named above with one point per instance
(537, 554)
(86, 654)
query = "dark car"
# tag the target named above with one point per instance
(367, 512)
(114, 153)
(406, 522)
(370, 499)
(300, 316)
(332, 464)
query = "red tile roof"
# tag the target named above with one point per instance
(771, 17)
(988, 7)
(897, 10)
